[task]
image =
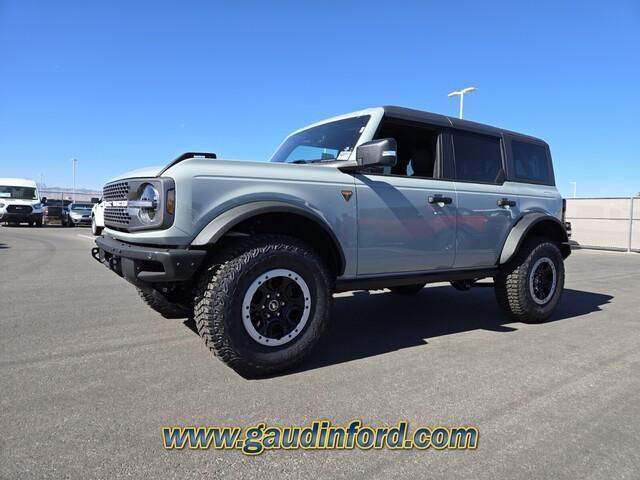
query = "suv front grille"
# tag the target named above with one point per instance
(116, 191)
(116, 216)
(19, 209)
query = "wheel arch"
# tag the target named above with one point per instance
(534, 224)
(276, 217)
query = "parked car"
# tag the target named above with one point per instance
(97, 218)
(386, 197)
(77, 213)
(20, 202)
(54, 209)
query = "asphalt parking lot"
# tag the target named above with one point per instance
(89, 376)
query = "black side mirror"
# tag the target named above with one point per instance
(43, 200)
(377, 153)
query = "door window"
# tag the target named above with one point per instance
(478, 158)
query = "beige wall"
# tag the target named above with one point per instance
(604, 222)
(635, 231)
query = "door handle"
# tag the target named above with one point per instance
(505, 202)
(440, 199)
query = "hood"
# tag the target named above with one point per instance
(226, 166)
(139, 172)
(18, 201)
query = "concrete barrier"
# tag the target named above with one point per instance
(611, 223)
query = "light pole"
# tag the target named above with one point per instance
(74, 161)
(575, 186)
(460, 93)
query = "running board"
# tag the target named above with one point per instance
(377, 283)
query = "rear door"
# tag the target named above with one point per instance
(487, 208)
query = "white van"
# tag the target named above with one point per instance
(20, 202)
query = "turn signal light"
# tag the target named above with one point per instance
(171, 202)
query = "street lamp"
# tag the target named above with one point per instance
(460, 93)
(74, 161)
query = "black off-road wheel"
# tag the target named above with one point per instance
(529, 287)
(161, 305)
(408, 289)
(263, 304)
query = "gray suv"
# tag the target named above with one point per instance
(385, 197)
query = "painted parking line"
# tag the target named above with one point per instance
(86, 236)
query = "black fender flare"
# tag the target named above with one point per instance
(520, 230)
(228, 219)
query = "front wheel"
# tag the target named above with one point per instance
(264, 304)
(160, 304)
(529, 287)
(96, 230)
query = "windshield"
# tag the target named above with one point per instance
(81, 206)
(324, 143)
(19, 193)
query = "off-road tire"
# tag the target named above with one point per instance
(223, 285)
(408, 289)
(161, 305)
(512, 283)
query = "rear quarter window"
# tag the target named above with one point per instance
(530, 163)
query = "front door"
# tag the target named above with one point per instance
(405, 224)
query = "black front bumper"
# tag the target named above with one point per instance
(146, 265)
(20, 217)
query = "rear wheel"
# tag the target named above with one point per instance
(529, 287)
(264, 304)
(408, 289)
(161, 305)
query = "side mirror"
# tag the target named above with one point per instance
(43, 200)
(377, 153)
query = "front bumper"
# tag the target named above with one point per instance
(81, 221)
(146, 265)
(20, 217)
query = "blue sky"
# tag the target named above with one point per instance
(124, 84)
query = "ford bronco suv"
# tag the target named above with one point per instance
(385, 197)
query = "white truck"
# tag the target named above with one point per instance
(20, 202)
(97, 218)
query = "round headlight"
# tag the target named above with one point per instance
(149, 194)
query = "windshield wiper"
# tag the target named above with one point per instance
(315, 161)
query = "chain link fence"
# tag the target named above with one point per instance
(83, 195)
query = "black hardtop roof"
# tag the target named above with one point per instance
(421, 116)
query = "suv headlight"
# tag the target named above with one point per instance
(136, 204)
(149, 203)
